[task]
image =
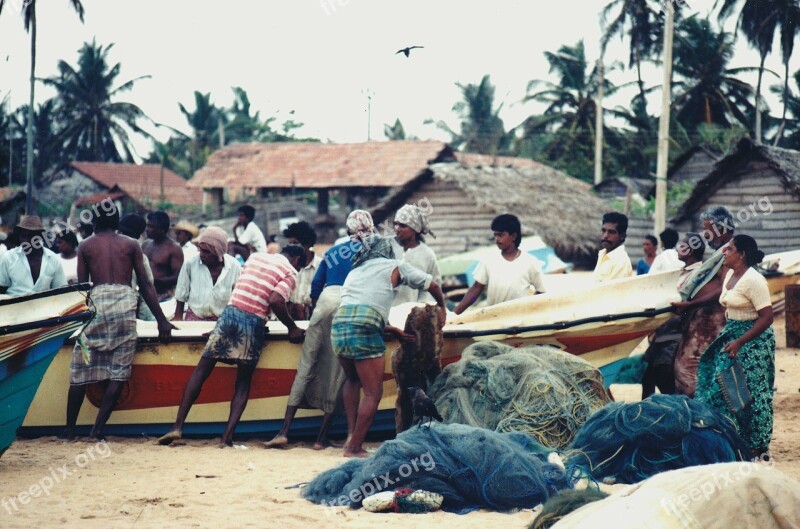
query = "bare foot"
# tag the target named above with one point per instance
(320, 445)
(361, 454)
(225, 444)
(169, 437)
(67, 435)
(279, 441)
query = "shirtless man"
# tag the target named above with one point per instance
(165, 255)
(105, 349)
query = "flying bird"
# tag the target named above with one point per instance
(423, 406)
(407, 51)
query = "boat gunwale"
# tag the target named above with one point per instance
(78, 287)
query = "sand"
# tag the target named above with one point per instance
(132, 483)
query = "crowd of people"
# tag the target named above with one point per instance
(241, 281)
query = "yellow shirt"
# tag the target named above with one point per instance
(613, 265)
(746, 298)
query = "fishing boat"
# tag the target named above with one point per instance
(32, 330)
(780, 269)
(601, 323)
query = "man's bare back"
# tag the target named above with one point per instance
(109, 259)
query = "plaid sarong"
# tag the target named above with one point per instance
(105, 349)
(237, 338)
(357, 332)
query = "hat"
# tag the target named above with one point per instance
(188, 227)
(31, 223)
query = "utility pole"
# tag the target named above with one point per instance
(10, 145)
(598, 127)
(663, 122)
(369, 93)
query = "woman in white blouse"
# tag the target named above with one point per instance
(206, 280)
(748, 336)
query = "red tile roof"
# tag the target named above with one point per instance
(142, 182)
(319, 165)
(99, 197)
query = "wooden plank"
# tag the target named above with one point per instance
(792, 297)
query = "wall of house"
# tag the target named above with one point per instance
(761, 206)
(695, 169)
(457, 221)
(61, 192)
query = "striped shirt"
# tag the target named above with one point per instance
(262, 275)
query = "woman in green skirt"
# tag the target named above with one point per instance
(748, 336)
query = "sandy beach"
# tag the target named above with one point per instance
(132, 483)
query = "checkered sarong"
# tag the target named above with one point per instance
(105, 349)
(357, 332)
(237, 338)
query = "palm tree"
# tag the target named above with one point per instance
(788, 14)
(29, 15)
(204, 121)
(791, 106)
(707, 90)
(394, 132)
(642, 21)
(95, 126)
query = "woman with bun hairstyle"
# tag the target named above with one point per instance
(748, 336)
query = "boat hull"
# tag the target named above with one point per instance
(150, 400)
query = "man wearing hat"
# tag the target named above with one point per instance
(30, 267)
(410, 225)
(185, 231)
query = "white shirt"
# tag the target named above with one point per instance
(251, 235)
(15, 273)
(422, 258)
(302, 290)
(507, 280)
(199, 293)
(613, 265)
(189, 251)
(70, 267)
(665, 261)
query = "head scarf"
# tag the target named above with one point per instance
(413, 217)
(360, 225)
(373, 247)
(217, 239)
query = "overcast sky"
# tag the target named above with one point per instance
(320, 57)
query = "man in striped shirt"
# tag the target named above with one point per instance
(264, 286)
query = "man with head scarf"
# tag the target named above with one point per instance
(357, 332)
(206, 281)
(165, 255)
(410, 225)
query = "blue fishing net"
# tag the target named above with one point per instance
(631, 442)
(471, 467)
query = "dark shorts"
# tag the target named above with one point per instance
(237, 338)
(357, 333)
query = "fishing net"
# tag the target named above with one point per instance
(537, 390)
(562, 504)
(631, 442)
(471, 467)
(631, 371)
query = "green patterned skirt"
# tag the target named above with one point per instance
(357, 332)
(758, 360)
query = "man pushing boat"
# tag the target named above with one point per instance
(105, 349)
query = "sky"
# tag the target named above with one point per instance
(323, 59)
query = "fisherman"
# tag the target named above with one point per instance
(165, 255)
(238, 337)
(67, 246)
(668, 259)
(206, 280)
(649, 246)
(30, 267)
(320, 377)
(302, 233)
(358, 327)
(105, 349)
(247, 237)
(185, 231)
(510, 274)
(613, 261)
(410, 227)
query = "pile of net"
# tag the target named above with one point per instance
(630, 442)
(470, 467)
(537, 390)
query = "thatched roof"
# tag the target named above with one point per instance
(785, 162)
(319, 165)
(559, 208)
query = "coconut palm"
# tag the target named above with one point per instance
(788, 14)
(707, 91)
(394, 132)
(789, 134)
(642, 22)
(95, 127)
(29, 17)
(204, 121)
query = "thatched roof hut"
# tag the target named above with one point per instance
(462, 201)
(760, 185)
